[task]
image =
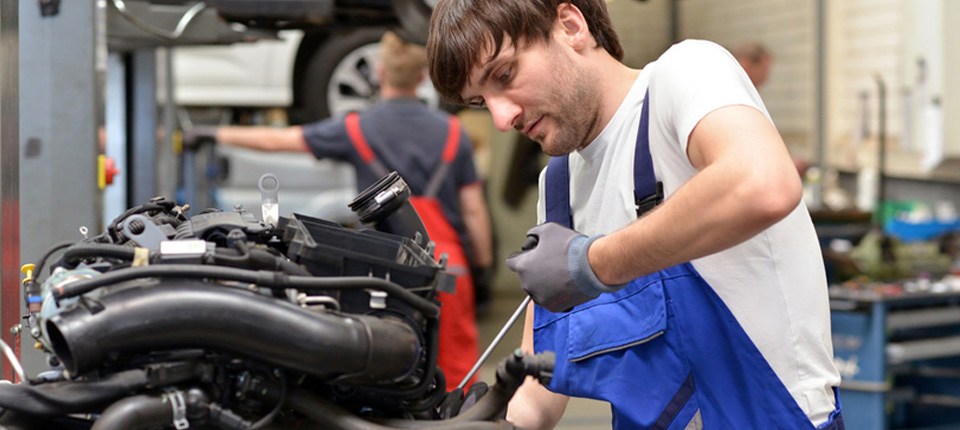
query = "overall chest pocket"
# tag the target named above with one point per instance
(623, 321)
(631, 316)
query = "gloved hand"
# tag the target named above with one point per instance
(555, 271)
(458, 402)
(198, 135)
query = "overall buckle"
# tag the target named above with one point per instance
(647, 203)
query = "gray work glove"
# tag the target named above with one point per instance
(554, 269)
(199, 135)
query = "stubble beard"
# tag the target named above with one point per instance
(576, 108)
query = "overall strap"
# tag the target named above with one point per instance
(557, 192)
(360, 144)
(647, 191)
(446, 158)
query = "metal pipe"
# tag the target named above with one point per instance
(10, 146)
(11, 357)
(496, 341)
(881, 147)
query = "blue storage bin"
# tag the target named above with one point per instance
(910, 232)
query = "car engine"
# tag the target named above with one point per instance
(222, 320)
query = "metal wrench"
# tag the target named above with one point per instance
(530, 243)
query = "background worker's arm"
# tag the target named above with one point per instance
(746, 183)
(533, 407)
(272, 139)
(477, 221)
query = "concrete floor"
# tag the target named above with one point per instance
(581, 414)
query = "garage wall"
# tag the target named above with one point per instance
(866, 42)
(643, 27)
(787, 29)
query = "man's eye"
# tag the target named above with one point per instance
(477, 103)
(505, 76)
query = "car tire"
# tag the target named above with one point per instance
(341, 76)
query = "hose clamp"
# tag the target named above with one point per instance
(179, 406)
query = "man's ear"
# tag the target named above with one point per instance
(573, 27)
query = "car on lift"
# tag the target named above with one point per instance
(320, 64)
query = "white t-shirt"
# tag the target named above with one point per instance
(774, 283)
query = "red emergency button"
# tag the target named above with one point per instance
(106, 170)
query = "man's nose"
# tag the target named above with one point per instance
(505, 112)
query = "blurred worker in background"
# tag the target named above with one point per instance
(692, 294)
(432, 153)
(755, 60)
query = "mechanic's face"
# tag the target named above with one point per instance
(539, 90)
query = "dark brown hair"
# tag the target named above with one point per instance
(461, 29)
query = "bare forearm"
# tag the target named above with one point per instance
(533, 406)
(746, 183)
(692, 224)
(263, 138)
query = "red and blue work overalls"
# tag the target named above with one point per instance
(458, 328)
(665, 351)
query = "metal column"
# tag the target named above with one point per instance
(131, 124)
(115, 123)
(142, 183)
(166, 159)
(9, 173)
(61, 75)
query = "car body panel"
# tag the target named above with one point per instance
(257, 74)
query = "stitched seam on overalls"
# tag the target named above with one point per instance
(661, 279)
(668, 302)
(604, 351)
(568, 314)
(681, 275)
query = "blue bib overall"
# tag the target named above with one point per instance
(665, 351)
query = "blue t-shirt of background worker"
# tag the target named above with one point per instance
(408, 137)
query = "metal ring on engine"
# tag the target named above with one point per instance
(179, 406)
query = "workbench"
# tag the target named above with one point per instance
(899, 355)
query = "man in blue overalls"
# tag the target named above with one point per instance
(677, 274)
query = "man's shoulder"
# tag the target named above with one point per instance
(694, 46)
(693, 51)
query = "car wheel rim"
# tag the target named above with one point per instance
(354, 84)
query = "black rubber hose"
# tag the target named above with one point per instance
(74, 254)
(69, 397)
(194, 315)
(135, 413)
(258, 259)
(267, 279)
(43, 259)
(417, 391)
(331, 416)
